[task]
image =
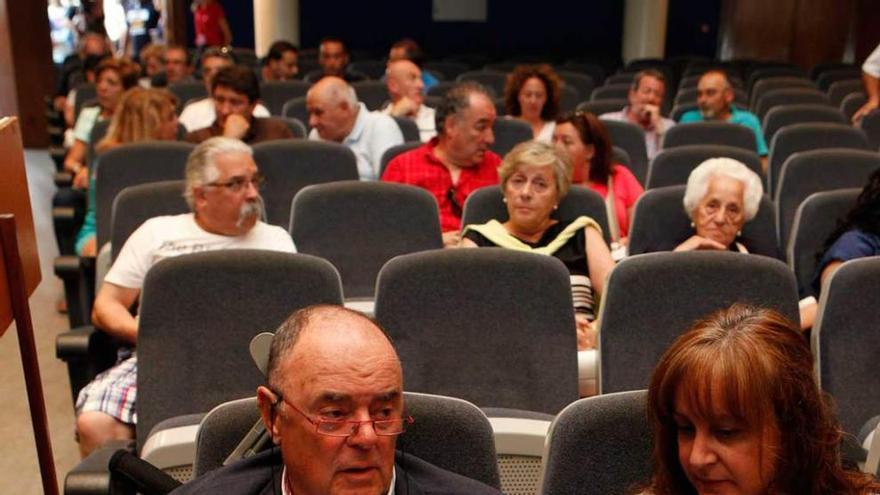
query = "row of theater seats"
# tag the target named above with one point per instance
(504, 347)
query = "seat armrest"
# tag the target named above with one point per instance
(87, 352)
(75, 344)
(78, 275)
(63, 179)
(92, 475)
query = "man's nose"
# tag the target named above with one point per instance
(313, 120)
(364, 436)
(490, 136)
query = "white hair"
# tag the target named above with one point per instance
(698, 184)
(201, 166)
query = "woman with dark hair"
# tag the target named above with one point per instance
(857, 236)
(532, 94)
(583, 137)
(735, 409)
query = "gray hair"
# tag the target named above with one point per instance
(455, 101)
(201, 166)
(700, 178)
(538, 153)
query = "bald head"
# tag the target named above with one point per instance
(714, 95)
(404, 79)
(333, 108)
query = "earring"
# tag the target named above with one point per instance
(504, 200)
(555, 207)
(693, 225)
(739, 233)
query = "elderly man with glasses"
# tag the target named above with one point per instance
(222, 184)
(333, 408)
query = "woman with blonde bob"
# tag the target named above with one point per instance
(735, 409)
(142, 115)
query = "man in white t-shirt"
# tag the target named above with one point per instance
(336, 115)
(221, 189)
(406, 89)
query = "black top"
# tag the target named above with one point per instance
(573, 253)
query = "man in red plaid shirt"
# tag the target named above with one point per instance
(457, 161)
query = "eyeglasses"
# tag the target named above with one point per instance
(237, 184)
(347, 428)
(455, 205)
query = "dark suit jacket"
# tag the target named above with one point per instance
(261, 475)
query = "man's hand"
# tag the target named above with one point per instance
(451, 239)
(405, 107)
(586, 333)
(236, 126)
(697, 242)
(651, 116)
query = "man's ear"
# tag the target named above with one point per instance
(448, 124)
(268, 413)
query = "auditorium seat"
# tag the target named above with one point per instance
(509, 132)
(723, 133)
(292, 164)
(598, 107)
(630, 138)
(610, 90)
(840, 89)
(187, 91)
(660, 221)
(798, 113)
(673, 166)
(815, 219)
(359, 226)
(764, 86)
(373, 94)
(493, 80)
(871, 125)
(812, 171)
(635, 329)
(395, 150)
(805, 137)
(599, 445)
(274, 94)
(296, 108)
(777, 97)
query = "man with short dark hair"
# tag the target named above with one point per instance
(200, 113)
(645, 99)
(333, 58)
(336, 115)
(458, 160)
(281, 62)
(333, 406)
(222, 183)
(178, 67)
(235, 91)
(715, 101)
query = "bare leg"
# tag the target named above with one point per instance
(96, 428)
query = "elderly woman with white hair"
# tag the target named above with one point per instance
(722, 194)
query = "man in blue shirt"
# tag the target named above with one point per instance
(715, 102)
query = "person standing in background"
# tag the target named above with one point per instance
(210, 24)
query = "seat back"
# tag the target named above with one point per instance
(631, 138)
(808, 172)
(187, 91)
(815, 219)
(392, 152)
(673, 166)
(449, 70)
(583, 83)
(634, 332)
(359, 226)
(723, 133)
(831, 76)
(493, 80)
(374, 69)
(296, 108)
(448, 432)
(198, 314)
(871, 125)
(784, 115)
(487, 203)
(845, 341)
(660, 223)
(775, 70)
(840, 89)
(85, 93)
(274, 94)
(292, 164)
(509, 133)
(805, 137)
(129, 165)
(605, 105)
(768, 84)
(614, 90)
(408, 128)
(777, 97)
(135, 205)
(373, 94)
(599, 445)
(465, 325)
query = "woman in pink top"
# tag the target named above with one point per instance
(210, 24)
(583, 136)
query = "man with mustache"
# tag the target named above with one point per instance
(222, 184)
(715, 101)
(333, 406)
(458, 160)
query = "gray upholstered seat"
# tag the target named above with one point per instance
(808, 172)
(799, 113)
(652, 298)
(851, 103)
(840, 89)
(673, 166)
(768, 84)
(605, 105)
(773, 71)
(465, 325)
(631, 138)
(599, 445)
(614, 90)
(296, 108)
(186, 92)
(392, 152)
(447, 432)
(723, 133)
(486, 203)
(812, 136)
(845, 341)
(871, 125)
(358, 226)
(660, 223)
(583, 83)
(777, 97)
(373, 94)
(815, 219)
(408, 128)
(136, 204)
(449, 70)
(274, 94)
(509, 133)
(291, 164)
(493, 80)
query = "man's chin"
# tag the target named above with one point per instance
(368, 481)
